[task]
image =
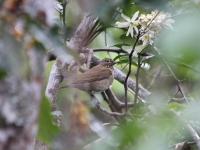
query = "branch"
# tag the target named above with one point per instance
(129, 71)
(109, 112)
(60, 67)
(111, 106)
(81, 32)
(193, 133)
(55, 79)
(120, 76)
(64, 4)
(98, 105)
(113, 99)
(195, 136)
(20, 99)
(179, 100)
(174, 76)
(137, 80)
(179, 146)
(114, 50)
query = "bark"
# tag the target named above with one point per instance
(19, 106)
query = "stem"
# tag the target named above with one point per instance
(114, 50)
(137, 80)
(63, 15)
(129, 70)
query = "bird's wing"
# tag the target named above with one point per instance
(95, 74)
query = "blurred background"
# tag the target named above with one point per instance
(170, 72)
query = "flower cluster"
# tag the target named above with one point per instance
(149, 24)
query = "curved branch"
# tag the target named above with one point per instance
(114, 50)
(174, 76)
(129, 72)
(120, 76)
(195, 136)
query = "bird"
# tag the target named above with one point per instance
(95, 80)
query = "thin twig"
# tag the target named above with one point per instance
(153, 80)
(173, 146)
(129, 70)
(113, 99)
(174, 76)
(194, 135)
(64, 10)
(109, 112)
(111, 124)
(145, 29)
(106, 39)
(98, 105)
(151, 22)
(137, 79)
(178, 100)
(110, 104)
(114, 50)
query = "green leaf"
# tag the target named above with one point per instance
(175, 105)
(128, 135)
(124, 60)
(3, 73)
(124, 37)
(128, 39)
(120, 56)
(140, 48)
(46, 129)
(120, 45)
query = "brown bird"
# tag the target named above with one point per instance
(97, 79)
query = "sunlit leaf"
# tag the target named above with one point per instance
(120, 56)
(175, 105)
(119, 45)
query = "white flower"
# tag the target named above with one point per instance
(147, 38)
(131, 23)
(162, 19)
(153, 23)
(143, 20)
(145, 66)
(168, 21)
(149, 25)
(154, 13)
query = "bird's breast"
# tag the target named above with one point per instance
(102, 85)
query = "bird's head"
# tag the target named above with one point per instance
(107, 62)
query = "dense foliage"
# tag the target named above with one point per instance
(154, 101)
